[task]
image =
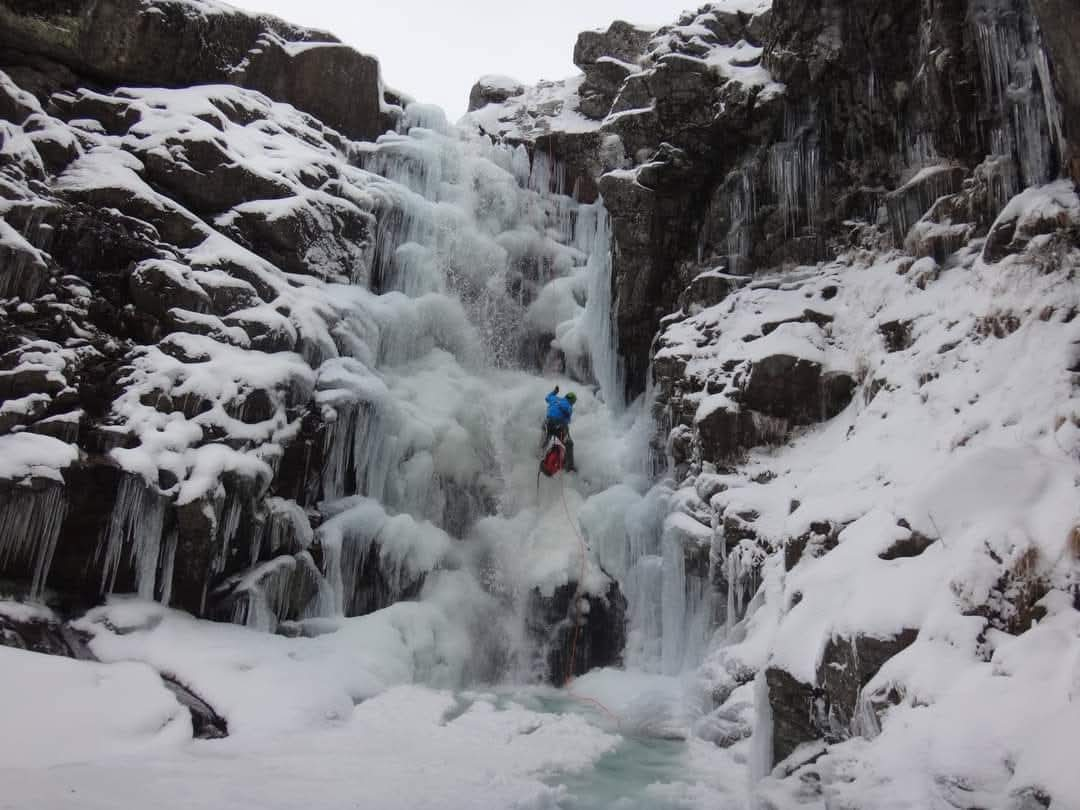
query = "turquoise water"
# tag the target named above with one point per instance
(642, 772)
(620, 778)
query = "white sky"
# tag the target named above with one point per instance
(434, 50)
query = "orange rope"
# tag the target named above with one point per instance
(569, 676)
(577, 593)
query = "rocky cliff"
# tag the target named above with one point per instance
(272, 344)
(198, 227)
(844, 277)
(755, 136)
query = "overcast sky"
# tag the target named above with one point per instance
(435, 49)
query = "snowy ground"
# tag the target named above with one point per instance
(331, 722)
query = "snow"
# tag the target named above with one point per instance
(550, 106)
(968, 436)
(499, 82)
(62, 712)
(12, 239)
(971, 441)
(1053, 201)
(740, 62)
(300, 709)
(319, 720)
(483, 757)
(975, 738)
(28, 455)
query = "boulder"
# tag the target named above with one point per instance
(158, 286)
(896, 334)
(16, 105)
(202, 175)
(493, 90)
(911, 546)
(116, 115)
(607, 75)
(163, 44)
(708, 289)
(58, 147)
(622, 40)
(206, 724)
(724, 433)
(908, 203)
(796, 389)
(825, 710)
(336, 84)
(36, 629)
(846, 666)
(793, 705)
(317, 235)
(1053, 211)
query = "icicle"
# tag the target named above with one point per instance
(741, 213)
(136, 522)
(228, 523)
(794, 169)
(30, 522)
(1017, 84)
(285, 528)
(865, 721)
(761, 743)
(547, 175)
(644, 594)
(599, 316)
(262, 595)
(168, 565)
(687, 608)
(520, 165)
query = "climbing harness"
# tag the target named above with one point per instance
(551, 464)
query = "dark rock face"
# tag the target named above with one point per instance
(109, 251)
(174, 45)
(880, 121)
(793, 706)
(847, 665)
(742, 402)
(622, 40)
(597, 640)
(336, 84)
(1060, 29)
(724, 433)
(795, 389)
(607, 58)
(649, 227)
(803, 713)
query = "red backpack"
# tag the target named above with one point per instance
(553, 458)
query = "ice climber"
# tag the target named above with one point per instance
(559, 412)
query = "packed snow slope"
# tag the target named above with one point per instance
(271, 390)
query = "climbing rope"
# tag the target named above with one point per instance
(568, 677)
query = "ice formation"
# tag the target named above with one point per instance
(448, 283)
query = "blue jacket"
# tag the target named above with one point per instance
(559, 409)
